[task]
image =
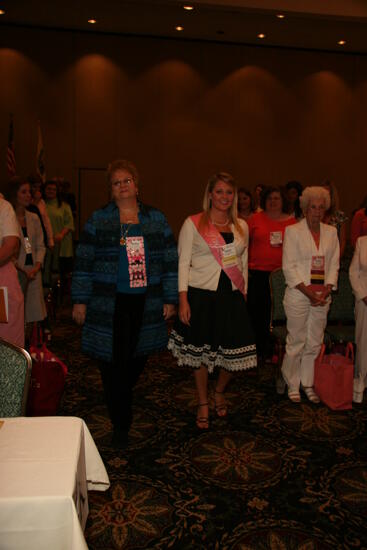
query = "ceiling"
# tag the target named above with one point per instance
(309, 24)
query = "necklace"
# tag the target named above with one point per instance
(124, 232)
(220, 224)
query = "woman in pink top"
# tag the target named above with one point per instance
(266, 230)
(13, 330)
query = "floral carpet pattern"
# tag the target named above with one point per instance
(272, 475)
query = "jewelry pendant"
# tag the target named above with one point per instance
(122, 241)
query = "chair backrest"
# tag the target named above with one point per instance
(342, 305)
(15, 374)
(277, 290)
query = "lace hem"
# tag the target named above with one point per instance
(193, 356)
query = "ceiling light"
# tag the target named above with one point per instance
(92, 21)
(261, 35)
(188, 8)
(2, 12)
(179, 28)
(342, 42)
(280, 16)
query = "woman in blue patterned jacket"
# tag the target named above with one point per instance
(124, 288)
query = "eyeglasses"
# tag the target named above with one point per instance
(118, 183)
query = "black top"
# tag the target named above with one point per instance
(224, 283)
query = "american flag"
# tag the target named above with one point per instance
(10, 157)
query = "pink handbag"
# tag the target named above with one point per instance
(334, 378)
(47, 379)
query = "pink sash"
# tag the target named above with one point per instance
(213, 238)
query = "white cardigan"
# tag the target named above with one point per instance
(197, 266)
(358, 269)
(298, 250)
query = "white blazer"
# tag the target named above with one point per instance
(358, 269)
(197, 266)
(298, 248)
(35, 235)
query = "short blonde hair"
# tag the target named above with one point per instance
(314, 192)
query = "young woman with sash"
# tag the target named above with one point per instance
(213, 329)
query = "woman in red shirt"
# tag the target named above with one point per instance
(359, 223)
(266, 231)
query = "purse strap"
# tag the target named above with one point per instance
(349, 351)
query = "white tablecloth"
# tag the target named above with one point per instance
(46, 466)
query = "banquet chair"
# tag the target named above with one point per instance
(278, 322)
(15, 374)
(340, 325)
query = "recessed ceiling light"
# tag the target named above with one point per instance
(342, 42)
(280, 16)
(261, 35)
(188, 8)
(92, 21)
(2, 12)
(179, 28)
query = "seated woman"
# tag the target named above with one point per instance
(13, 330)
(213, 328)
(310, 266)
(31, 253)
(246, 205)
(266, 230)
(124, 287)
(358, 280)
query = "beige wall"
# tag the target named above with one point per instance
(182, 110)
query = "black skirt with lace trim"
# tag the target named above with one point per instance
(220, 332)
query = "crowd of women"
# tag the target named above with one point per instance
(36, 228)
(129, 278)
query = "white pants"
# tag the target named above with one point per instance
(306, 325)
(360, 376)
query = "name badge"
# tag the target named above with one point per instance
(318, 263)
(136, 258)
(229, 257)
(27, 245)
(276, 238)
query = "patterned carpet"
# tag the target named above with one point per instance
(272, 475)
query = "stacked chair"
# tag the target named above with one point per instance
(15, 374)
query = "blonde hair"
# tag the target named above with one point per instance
(213, 180)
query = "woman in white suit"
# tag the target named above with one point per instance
(358, 279)
(310, 266)
(31, 252)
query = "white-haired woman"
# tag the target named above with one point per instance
(213, 328)
(358, 279)
(310, 265)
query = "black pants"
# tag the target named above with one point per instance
(259, 307)
(120, 377)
